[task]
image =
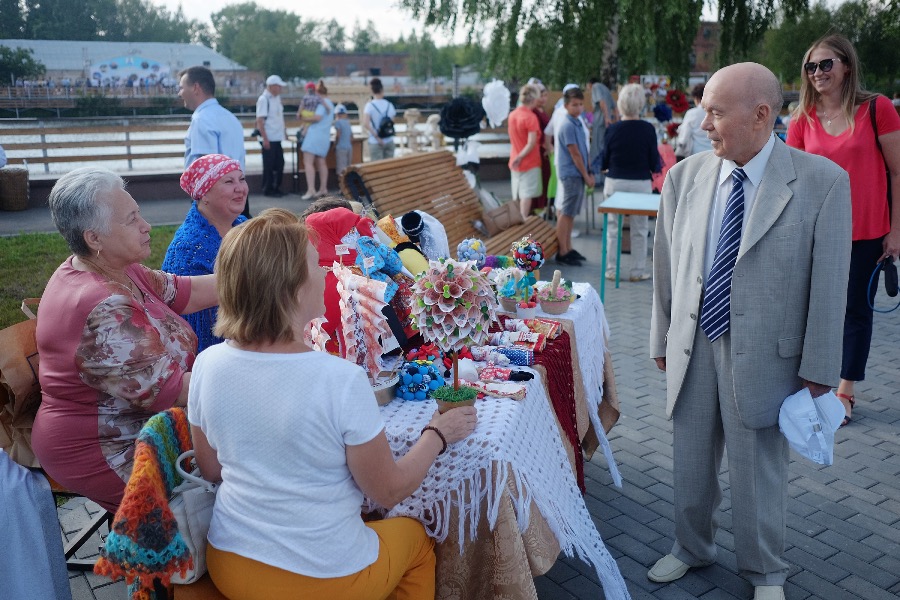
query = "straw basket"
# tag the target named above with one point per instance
(13, 189)
(555, 307)
(508, 304)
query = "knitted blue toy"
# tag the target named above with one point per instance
(418, 379)
(472, 249)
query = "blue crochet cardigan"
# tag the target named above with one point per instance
(193, 252)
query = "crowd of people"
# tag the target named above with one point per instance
(752, 239)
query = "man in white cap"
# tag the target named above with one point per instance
(270, 123)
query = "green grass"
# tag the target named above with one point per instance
(28, 260)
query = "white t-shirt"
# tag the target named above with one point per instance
(270, 108)
(280, 424)
(377, 109)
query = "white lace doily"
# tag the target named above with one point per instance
(515, 442)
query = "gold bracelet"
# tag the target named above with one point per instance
(440, 435)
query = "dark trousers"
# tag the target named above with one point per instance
(273, 167)
(858, 319)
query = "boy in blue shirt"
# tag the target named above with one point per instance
(573, 171)
(343, 139)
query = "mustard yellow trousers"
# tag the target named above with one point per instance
(404, 570)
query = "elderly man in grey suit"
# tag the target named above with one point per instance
(752, 248)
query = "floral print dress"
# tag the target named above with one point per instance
(108, 362)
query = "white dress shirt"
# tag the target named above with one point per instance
(754, 170)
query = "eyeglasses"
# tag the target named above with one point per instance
(825, 65)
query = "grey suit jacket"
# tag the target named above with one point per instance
(789, 288)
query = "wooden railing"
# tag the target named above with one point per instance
(133, 140)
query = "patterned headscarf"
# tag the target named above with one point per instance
(204, 172)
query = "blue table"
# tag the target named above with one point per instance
(623, 203)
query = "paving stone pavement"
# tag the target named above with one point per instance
(843, 537)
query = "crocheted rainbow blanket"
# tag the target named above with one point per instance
(144, 543)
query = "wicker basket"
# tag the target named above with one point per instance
(556, 307)
(13, 189)
(508, 304)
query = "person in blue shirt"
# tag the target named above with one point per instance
(214, 129)
(343, 139)
(572, 170)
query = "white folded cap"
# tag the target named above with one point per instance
(809, 424)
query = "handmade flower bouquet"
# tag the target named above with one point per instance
(677, 100)
(472, 249)
(556, 297)
(454, 307)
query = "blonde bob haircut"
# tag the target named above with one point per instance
(259, 270)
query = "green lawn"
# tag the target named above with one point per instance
(27, 261)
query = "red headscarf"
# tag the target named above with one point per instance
(204, 172)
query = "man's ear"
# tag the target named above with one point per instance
(763, 114)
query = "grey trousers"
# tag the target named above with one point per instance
(706, 421)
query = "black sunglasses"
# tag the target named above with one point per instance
(826, 65)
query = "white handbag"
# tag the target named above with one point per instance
(192, 505)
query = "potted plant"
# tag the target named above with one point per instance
(454, 307)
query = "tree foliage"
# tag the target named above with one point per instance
(109, 20)
(18, 62)
(572, 40)
(270, 41)
(12, 21)
(873, 27)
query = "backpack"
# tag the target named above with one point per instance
(386, 126)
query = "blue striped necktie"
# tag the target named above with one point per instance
(715, 314)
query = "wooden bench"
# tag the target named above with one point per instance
(431, 182)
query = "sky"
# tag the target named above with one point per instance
(389, 20)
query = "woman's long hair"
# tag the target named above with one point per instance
(852, 93)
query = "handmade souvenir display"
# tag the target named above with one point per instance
(515, 325)
(418, 380)
(551, 329)
(429, 352)
(489, 354)
(521, 357)
(515, 391)
(499, 261)
(336, 234)
(314, 335)
(494, 373)
(362, 321)
(526, 310)
(528, 254)
(523, 339)
(410, 254)
(455, 306)
(513, 285)
(556, 297)
(472, 249)
(427, 233)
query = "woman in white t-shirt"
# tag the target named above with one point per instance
(296, 438)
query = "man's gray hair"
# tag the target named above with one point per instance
(631, 100)
(77, 205)
(774, 97)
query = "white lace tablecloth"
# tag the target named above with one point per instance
(516, 443)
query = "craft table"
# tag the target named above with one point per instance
(503, 503)
(623, 203)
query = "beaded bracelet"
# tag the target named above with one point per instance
(440, 435)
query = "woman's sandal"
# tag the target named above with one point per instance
(852, 401)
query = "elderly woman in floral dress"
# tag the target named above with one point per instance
(113, 349)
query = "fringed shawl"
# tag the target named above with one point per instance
(144, 543)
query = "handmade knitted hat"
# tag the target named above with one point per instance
(413, 225)
(204, 172)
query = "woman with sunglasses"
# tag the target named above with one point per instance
(834, 120)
